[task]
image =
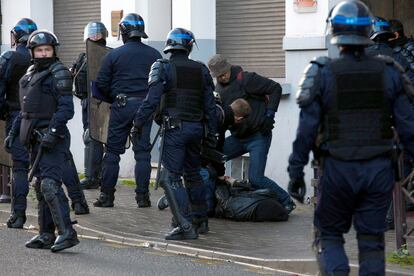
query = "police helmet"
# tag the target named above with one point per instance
(381, 29)
(42, 37)
(95, 31)
(396, 26)
(132, 25)
(350, 23)
(179, 39)
(22, 30)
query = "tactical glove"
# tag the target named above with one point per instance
(211, 140)
(267, 125)
(49, 140)
(297, 188)
(8, 142)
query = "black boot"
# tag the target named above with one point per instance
(290, 206)
(162, 203)
(143, 200)
(16, 220)
(106, 199)
(178, 234)
(42, 241)
(80, 207)
(201, 224)
(90, 183)
(67, 239)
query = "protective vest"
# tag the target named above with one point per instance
(35, 101)
(357, 121)
(80, 78)
(185, 99)
(19, 63)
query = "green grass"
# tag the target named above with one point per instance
(131, 182)
(401, 257)
(81, 176)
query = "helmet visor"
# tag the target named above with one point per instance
(95, 32)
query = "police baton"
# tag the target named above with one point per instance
(38, 156)
(161, 134)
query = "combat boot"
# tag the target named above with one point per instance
(42, 241)
(16, 220)
(290, 206)
(67, 239)
(162, 203)
(201, 224)
(80, 207)
(143, 200)
(178, 234)
(105, 199)
(90, 183)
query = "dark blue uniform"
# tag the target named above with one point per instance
(182, 141)
(12, 67)
(357, 173)
(125, 71)
(47, 105)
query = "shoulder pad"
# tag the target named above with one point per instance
(157, 71)
(397, 49)
(309, 84)
(321, 61)
(7, 55)
(63, 78)
(391, 62)
(30, 70)
(409, 46)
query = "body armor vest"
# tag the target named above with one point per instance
(19, 63)
(185, 100)
(357, 122)
(36, 101)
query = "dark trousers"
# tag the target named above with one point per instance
(357, 192)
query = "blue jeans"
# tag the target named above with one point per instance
(257, 145)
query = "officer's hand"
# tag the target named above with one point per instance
(8, 142)
(297, 188)
(49, 140)
(267, 126)
(211, 140)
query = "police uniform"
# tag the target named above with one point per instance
(124, 78)
(184, 90)
(349, 106)
(46, 106)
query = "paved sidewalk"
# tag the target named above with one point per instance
(277, 245)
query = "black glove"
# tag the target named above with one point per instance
(297, 188)
(8, 142)
(49, 140)
(267, 125)
(211, 140)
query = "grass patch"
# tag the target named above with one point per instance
(131, 182)
(81, 176)
(401, 257)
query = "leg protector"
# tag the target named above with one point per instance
(371, 254)
(331, 255)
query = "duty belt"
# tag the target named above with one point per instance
(171, 123)
(123, 99)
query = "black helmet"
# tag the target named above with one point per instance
(22, 30)
(42, 37)
(396, 26)
(350, 23)
(132, 25)
(179, 39)
(95, 31)
(381, 29)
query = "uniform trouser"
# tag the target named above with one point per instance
(120, 125)
(257, 145)
(70, 179)
(210, 188)
(20, 157)
(358, 192)
(50, 169)
(94, 150)
(181, 157)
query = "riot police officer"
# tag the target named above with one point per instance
(13, 65)
(46, 106)
(123, 77)
(349, 107)
(184, 90)
(96, 32)
(401, 43)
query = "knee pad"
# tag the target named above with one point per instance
(193, 180)
(111, 157)
(20, 166)
(49, 188)
(371, 247)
